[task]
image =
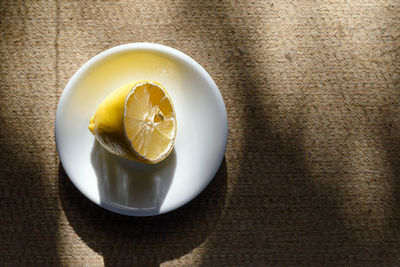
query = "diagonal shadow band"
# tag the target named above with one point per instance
(145, 241)
(278, 212)
(390, 136)
(28, 210)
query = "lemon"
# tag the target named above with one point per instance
(136, 121)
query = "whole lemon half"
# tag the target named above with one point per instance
(136, 121)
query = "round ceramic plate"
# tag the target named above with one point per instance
(124, 186)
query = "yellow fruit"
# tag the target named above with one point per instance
(137, 121)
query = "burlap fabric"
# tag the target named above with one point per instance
(311, 174)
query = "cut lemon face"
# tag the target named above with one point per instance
(150, 122)
(137, 121)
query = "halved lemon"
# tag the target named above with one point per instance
(137, 121)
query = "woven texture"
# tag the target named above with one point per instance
(311, 174)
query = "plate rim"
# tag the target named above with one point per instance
(145, 46)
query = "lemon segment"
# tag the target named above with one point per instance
(136, 121)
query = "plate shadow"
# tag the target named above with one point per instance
(145, 241)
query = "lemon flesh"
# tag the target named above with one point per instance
(136, 121)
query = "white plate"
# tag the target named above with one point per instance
(124, 186)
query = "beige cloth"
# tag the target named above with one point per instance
(312, 168)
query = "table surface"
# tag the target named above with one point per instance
(311, 174)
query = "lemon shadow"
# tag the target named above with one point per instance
(126, 186)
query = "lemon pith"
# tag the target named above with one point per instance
(136, 121)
